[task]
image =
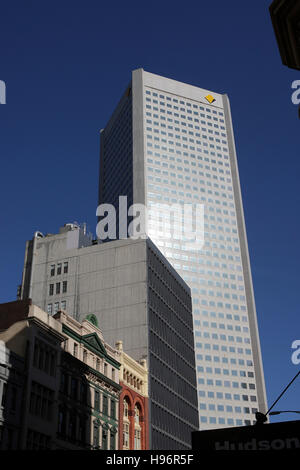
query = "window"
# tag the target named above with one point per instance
(62, 421)
(3, 400)
(125, 409)
(13, 399)
(56, 307)
(97, 401)
(137, 439)
(49, 309)
(66, 267)
(64, 383)
(51, 289)
(104, 439)
(112, 440)
(84, 355)
(75, 349)
(74, 384)
(137, 415)
(105, 405)
(113, 409)
(125, 436)
(83, 392)
(64, 288)
(41, 401)
(96, 436)
(63, 305)
(57, 288)
(58, 269)
(52, 270)
(82, 429)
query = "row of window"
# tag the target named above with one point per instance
(225, 383)
(182, 117)
(108, 407)
(217, 370)
(225, 360)
(106, 441)
(154, 197)
(56, 306)
(41, 401)
(192, 104)
(209, 263)
(191, 124)
(228, 408)
(37, 441)
(214, 136)
(195, 172)
(8, 400)
(59, 268)
(176, 246)
(185, 110)
(60, 287)
(178, 145)
(214, 128)
(216, 347)
(161, 159)
(162, 137)
(188, 148)
(222, 326)
(187, 186)
(222, 421)
(44, 357)
(182, 190)
(221, 337)
(226, 396)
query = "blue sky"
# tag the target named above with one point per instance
(66, 64)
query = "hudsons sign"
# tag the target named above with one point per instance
(262, 437)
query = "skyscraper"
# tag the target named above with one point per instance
(171, 143)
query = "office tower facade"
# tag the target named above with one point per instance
(139, 299)
(171, 143)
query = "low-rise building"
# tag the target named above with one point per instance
(89, 387)
(35, 338)
(12, 380)
(59, 382)
(133, 403)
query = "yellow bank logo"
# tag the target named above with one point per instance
(210, 99)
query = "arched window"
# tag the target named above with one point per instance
(125, 408)
(137, 415)
(126, 424)
(137, 427)
(125, 436)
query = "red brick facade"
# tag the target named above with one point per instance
(133, 399)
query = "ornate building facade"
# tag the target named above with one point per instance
(59, 381)
(89, 386)
(133, 403)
